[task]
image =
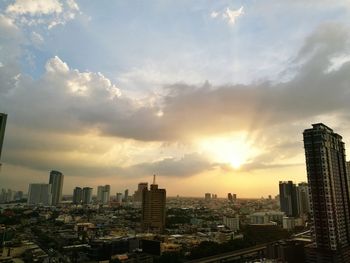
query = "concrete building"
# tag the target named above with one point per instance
(329, 195)
(56, 181)
(303, 199)
(119, 197)
(231, 222)
(39, 194)
(103, 194)
(207, 196)
(77, 195)
(153, 208)
(87, 195)
(138, 192)
(288, 223)
(288, 198)
(3, 118)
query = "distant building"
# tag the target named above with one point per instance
(303, 199)
(3, 118)
(288, 198)
(77, 195)
(262, 218)
(56, 181)
(329, 195)
(87, 195)
(126, 195)
(153, 208)
(103, 193)
(231, 222)
(207, 196)
(138, 192)
(39, 194)
(230, 197)
(119, 197)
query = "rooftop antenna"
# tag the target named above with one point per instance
(154, 179)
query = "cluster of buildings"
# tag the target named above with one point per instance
(9, 195)
(47, 194)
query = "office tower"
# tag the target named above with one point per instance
(329, 195)
(39, 194)
(119, 197)
(303, 198)
(207, 196)
(3, 118)
(87, 195)
(77, 195)
(103, 193)
(230, 197)
(56, 181)
(153, 208)
(288, 198)
(234, 196)
(126, 195)
(138, 192)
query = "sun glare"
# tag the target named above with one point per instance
(234, 150)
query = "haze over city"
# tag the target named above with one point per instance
(212, 96)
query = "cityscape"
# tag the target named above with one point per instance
(174, 131)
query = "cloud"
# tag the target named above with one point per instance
(37, 12)
(35, 7)
(229, 15)
(65, 101)
(232, 15)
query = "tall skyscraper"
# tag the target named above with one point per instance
(56, 181)
(3, 118)
(103, 193)
(303, 199)
(153, 208)
(126, 195)
(138, 192)
(87, 195)
(77, 195)
(329, 195)
(39, 194)
(288, 198)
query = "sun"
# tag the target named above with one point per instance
(230, 149)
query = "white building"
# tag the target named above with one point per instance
(231, 222)
(40, 194)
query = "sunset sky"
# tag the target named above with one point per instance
(212, 96)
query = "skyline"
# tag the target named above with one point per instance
(112, 93)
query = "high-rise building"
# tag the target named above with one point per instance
(103, 193)
(288, 198)
(119, 198)
(39, 194)
(303, 199)
(3, 118)
(207, 196)
(329, 195)
(230, 197)
(77, 195)
(126, 195)
(87, 195)
(56, 181)
(138, 192)
(153, 208)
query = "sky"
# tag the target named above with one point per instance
(211, 96)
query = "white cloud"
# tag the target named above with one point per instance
(56, 65)
(214, 14)
(35, 7)
(38, 12)
(228, 15)
(232, 15)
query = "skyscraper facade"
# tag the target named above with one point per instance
(288, 198)
(103, 193)
(39, 194)
(303, 199)
(56, 181)
(77, 195)
(3, 118)
(153, 208)
(87, 195)
(138, 192)
(329, 195)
